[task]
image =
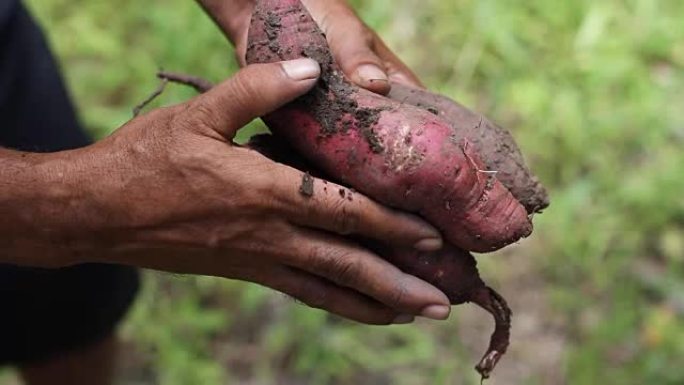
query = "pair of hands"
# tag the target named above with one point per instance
(175, 194)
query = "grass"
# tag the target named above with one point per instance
(593, 91)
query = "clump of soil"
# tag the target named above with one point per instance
(333, 98)
(307, 186)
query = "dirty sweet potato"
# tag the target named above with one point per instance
(398, 154)
(414, 151)
(452, 270)
(496, 146)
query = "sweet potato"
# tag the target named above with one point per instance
(396, 153)
(452, 270)
(420, 152)
(495, 145)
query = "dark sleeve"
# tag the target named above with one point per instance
(45, 313)
(35, 111)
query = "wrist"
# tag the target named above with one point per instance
(43, 210)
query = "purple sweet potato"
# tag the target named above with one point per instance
(398, 154)
(415, 151)
(495, 145)
(452, 270)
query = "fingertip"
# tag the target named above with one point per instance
(378, 86)
(429, 244)
(372, 78)
(369, 72)
(436, 312)
(301, 69)
(428, 301)
(403, 319)
(426, 236)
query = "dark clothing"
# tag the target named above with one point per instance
(46, 312)
(34, 106)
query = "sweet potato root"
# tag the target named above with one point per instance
(495, 145)
(454, 271)
(396, 153)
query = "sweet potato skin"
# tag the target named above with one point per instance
(495, 144)
(398, 154)
(452, 270)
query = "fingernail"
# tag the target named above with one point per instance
(301, 69)
(429, 244)
(371, 73)
(403, 319)
(437, 312)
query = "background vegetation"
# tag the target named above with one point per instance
(594, 92)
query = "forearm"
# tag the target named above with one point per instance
(42, 221)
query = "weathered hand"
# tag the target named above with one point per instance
(170, 191)
(361, 53)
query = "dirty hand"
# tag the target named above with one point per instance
(170, 191)
(363, 56)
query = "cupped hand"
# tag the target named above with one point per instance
(174, 193)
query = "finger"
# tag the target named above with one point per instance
(312, 202)
(254, 91)
(352, 44)
(396, 69)
(363, 56)
(354, 267)
(322, 294)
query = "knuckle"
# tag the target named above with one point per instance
(244, 91)
(161, 113)
(201, 115)
(397, 297)
(348, 271)
(345, 219)
(340, 266)
(265, 192)
(258, 247)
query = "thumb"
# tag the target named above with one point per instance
(254, 91)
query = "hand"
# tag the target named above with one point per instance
(361, 53)
(170, 191)
(363, 56)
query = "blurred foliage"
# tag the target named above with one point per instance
(594, 93)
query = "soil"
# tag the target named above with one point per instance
(332, 100)
(307, 186)
(496, 146)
